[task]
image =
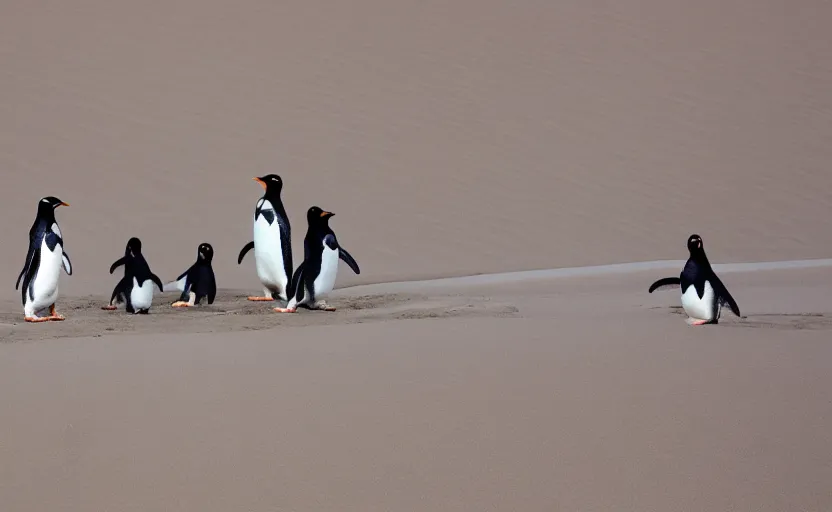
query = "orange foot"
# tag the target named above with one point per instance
(36, 319)
(285, 310)
(54, 316)
(260, 299)
(109, 307)
(697, 322)
(180, 304)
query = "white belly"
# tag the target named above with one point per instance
(141, 296)
(695, 307)
(325, 281)
(45, 286)
(268, 254)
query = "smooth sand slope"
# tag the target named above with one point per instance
(450, 139)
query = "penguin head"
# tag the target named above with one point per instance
(134, 247)
(316, 216)
(272, 183)
(205, 252)
(695, 244)
(49, 203)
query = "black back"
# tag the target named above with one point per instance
(200, 277)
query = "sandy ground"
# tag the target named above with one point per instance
(568, 394)
(450, 139)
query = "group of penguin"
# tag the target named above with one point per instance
(305, 287)
(702, 292)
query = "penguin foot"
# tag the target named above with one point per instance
(109, 307)
(36, 319)
(696, 321)
(285, 310)
(260, 299)
(323, 306)
(56, 318)
(180, 304)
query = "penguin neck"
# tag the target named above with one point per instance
(274, 198)
(700, 258)
(46, 214)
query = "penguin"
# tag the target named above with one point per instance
(196, 282)
(136, 287)
(315, 277)
(703, 293)
(42, 268)
(272, 242)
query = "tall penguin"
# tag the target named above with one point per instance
(198, 281)
(43, 264)
(135, 289)
(272, 242)
(315, 277)
(703, 293)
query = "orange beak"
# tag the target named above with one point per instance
(324, 214)
(258, 180)
(64, 204)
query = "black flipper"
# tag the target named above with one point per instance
(120, 287)
(723, 295)
(664, 283)
(31, 271)
(119, 262)
(212, 293)
(286, 234)
(158, 281)
(348, 259)
(297, 283)
(67, 263)
(28, 263)
(249, 246)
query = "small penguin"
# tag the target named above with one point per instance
(315, 277)
(42, 267)
(272, 242)
(703, 294)
(196, 282)
(136, 287)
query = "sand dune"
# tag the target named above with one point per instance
(473, 139)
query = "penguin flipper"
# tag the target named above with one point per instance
(249, 246)
(158, 281)
(120, 287)
(67, 263)
(119, 262)
(179, 284)
(348, 259)
(296, 284)
(286, 234)
(34, 242)
(724, 296)
(665, 283)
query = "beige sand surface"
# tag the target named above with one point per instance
(451, 139)
(590, 395)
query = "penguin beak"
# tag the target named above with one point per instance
(258, 180)
(63, 204)
(327, 214)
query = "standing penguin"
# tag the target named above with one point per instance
(272, 242)
(136, 287)
(196, 282)
(315, 277)
(43, 264)
(703, 294)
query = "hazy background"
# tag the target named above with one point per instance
(449, 137)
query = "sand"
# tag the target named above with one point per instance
(465, 139)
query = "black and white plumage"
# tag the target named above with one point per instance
(703, 293)
(135, 289)
(315, 277)
(272, 242)
(198, 281)
(42, 268)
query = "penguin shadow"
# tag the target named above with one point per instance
(781, 321)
